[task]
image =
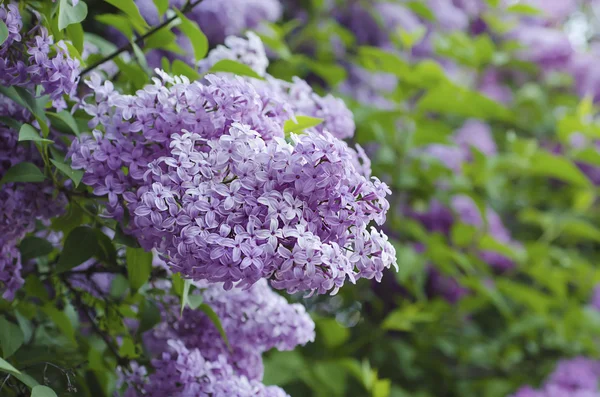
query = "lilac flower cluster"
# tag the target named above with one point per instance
(195, 359)
(33, 59)
(21, 204)
(213, 185)
(577, 377)
(254, 320)
(184, 372)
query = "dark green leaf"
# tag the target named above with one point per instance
(139, 266)
(61, 320)
(229, 66)
(195, 34)
(125, 239)
(23, 172)
(34, 247)
(66, 118)
(11, 337)
(74, 175)
(28, 133)
(149, 316)
(25, 325)
(10, 122)
(81, 244)
(68, 14)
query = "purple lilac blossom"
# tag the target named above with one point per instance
(583, 67)
(576, 377)
(21, 204)
(213, 185)
(448, 16)
(545, 46)
(26, 61)
(255, 321)
(185, 372)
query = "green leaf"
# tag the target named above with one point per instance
(376, 59)
(301, 123)
(75, 32)
(23, 172)
(6, 367)
(149, 316)
(139, 266)
(66, 118)
(421, 9)
(26, 99)
(183, 69)
(178, 281)
(10, 122)
(194, 301)
(28, 133)
(195, 34)
(404, 318)
(125, 239)
(140, 57)
(162, 6)
(81, 244)
(34, 247)
(11, 337)
(61, 320)
(184, 294)
(524, 9)
(332, 332)
(580, 229)
(3, 32)
(74, 175)
(547, 164)
(448, 98)
(67, 14)
(131, 10)
(215, 320)
(118, 21)
(42, 391)
(27, 380)
(229, 66)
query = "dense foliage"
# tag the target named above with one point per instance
(308, 198)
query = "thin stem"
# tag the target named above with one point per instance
(79, 303)
(128, 47)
